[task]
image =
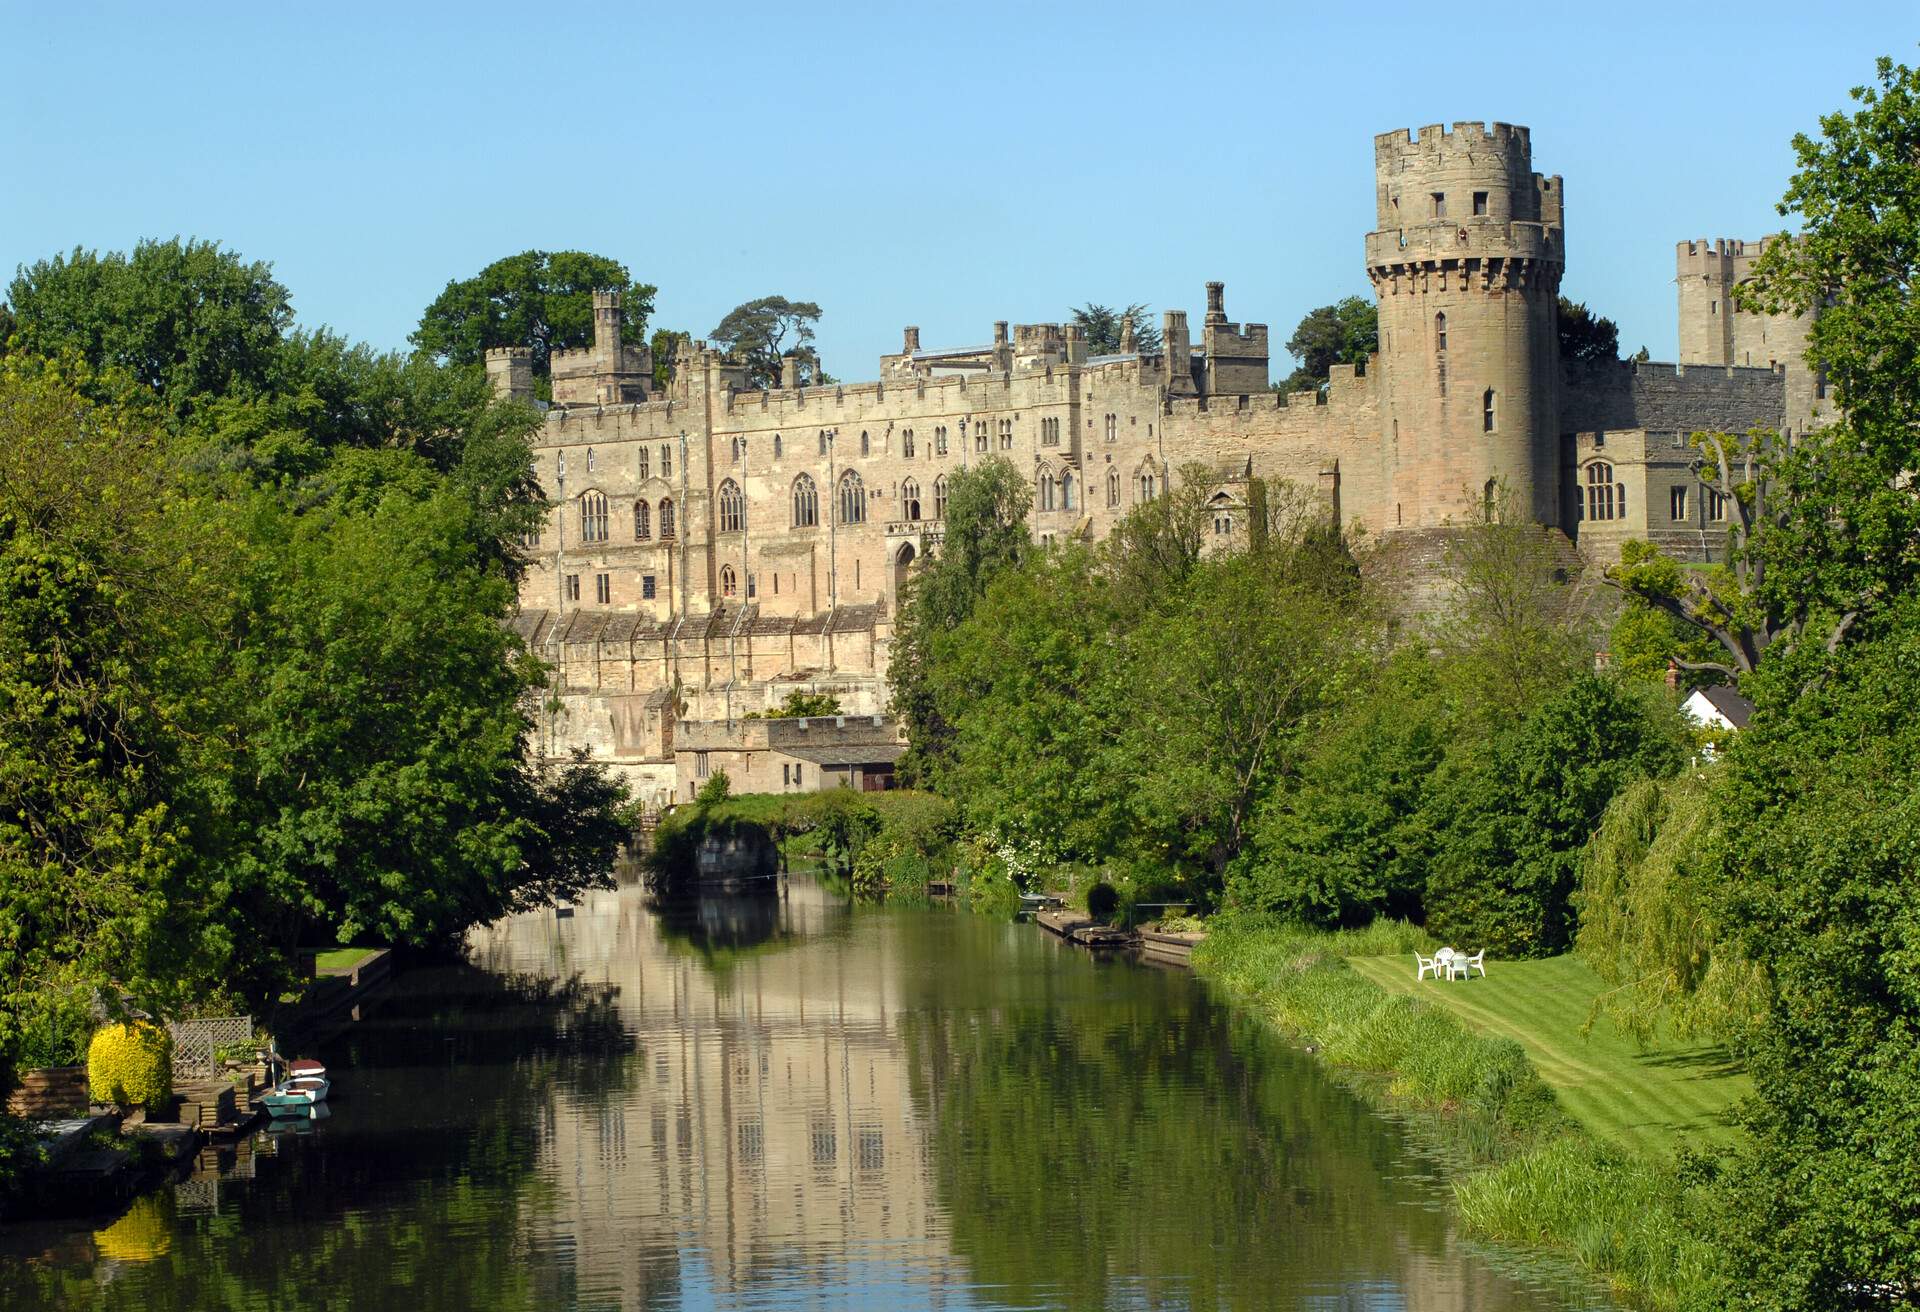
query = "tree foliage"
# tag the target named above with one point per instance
(986, 532)
(1509, 822)
(257, 689)
(763, 331)
(1104, 327)
(1346, 332)
(542, 300)
(1586, 337)
(185, 319)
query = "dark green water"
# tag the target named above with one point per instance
(795, 1104)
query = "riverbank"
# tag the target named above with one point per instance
(1529, 1172)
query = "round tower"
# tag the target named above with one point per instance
(1466, 263)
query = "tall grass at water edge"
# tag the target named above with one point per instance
(1530, 1176)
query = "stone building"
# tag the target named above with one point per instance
(714, 547)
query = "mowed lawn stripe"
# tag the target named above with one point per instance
(1646, 1099)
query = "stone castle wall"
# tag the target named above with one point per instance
(712, 547)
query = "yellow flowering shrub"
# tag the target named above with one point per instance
(130, 1065)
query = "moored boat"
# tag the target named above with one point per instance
(295, 1095)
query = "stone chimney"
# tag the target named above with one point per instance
(1216, 302)
(1002, 348)
(911, 342)
(790, 370)
(1127, 345)
(1076, 344)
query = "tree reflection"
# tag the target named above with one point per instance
(1116, 1131)
(422, 1190)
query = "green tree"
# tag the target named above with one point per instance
(186, 319)
(1816, 887)
(1349, 842)
(763, 331)
(1509, 822)
(1104, 325)
(1513, 627)
(1223, 686)
(1024, 685)
(987, 532)
(1824, 525)
(665, 345)
(91, 577)
(542, 300)
(1346, 332)
(1586, 337)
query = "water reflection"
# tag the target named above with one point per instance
(783, 1102)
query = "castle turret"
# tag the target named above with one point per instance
(510, 371)
(1466, 263)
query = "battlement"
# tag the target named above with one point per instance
(1465, 140)
(1471, 173)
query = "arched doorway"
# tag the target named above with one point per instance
(902, 562)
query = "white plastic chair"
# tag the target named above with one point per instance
(1475, 962)
(1426, 966)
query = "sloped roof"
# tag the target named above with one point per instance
(1729, 703)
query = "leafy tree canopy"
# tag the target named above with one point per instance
(1586, 337)
(542, 300)
(1346, 332)
(763, 331)
(185, 319)
(1103, 326)
(986, 533)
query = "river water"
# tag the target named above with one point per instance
(795, 1103)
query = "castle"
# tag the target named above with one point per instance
(714, 547)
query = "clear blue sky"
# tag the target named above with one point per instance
(942, 165)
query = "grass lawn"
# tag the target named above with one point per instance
(340, 959)
(1646, 1099)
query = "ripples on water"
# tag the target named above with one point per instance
(791, 1103)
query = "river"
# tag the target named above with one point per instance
(796, 1103)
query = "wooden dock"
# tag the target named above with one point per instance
(1174, 949)
(1081, 929)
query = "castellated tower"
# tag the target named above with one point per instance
(1466, 263)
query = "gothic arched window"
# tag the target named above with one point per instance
(940, 497)
(1440, 333)
(776, 446)
(1486, 411)
(853, 499)
(906, 442)
(593, 517)
(866, 445)
(642, 522)
(666, 518)
(910, 500)
(733, 508)
(1113, 488)
(1066, 491)
(729, 581)
(1046, 489)
(1600, 491)
(806, 502)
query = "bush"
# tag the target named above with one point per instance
(130, 1065)
(1103, 899)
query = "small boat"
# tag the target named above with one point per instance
(305, 1066)
(295, 1095)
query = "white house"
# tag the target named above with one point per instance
(1718, 708)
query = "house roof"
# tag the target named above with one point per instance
(1737, 709)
